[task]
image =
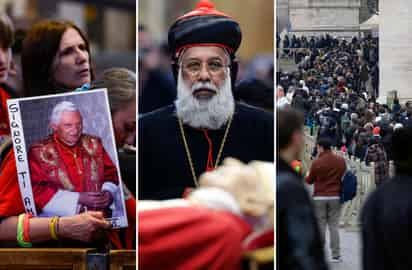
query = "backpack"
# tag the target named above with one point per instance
(349, 186)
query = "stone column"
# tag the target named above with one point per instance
(282, 15)
(395, 54)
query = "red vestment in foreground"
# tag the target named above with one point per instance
(190, 238)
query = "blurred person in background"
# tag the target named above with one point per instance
(376, 153)
(385, 217)
(15, 79)
(156, 88)
(282, 100)
(260, 68)
(121, 87)
(255, 93)
(300, 245)
(121, 90)
(258, 89)
(6, 92)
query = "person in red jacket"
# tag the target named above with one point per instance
(326, 174)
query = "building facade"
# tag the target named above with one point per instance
(315, 17)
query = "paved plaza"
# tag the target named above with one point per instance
(350, 250)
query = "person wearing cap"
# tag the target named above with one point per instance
(376, 131)
(376, 153)
(204, 125)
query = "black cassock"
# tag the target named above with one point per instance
(164, 170)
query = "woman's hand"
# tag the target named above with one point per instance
(84, 227)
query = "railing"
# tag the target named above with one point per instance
(310, 143)
(66, 259)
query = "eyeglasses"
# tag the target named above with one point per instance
(213, 67)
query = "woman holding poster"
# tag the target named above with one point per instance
(55, 58)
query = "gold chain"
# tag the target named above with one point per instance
(189, 157)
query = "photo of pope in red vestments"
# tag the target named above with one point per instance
(70, 171)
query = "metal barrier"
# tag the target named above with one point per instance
(310, 143)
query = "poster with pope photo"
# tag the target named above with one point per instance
(66, 155)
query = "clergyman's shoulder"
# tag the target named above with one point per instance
(160, 115)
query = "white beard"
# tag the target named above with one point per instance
(212, 113)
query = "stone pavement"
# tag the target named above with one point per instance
(350, 243)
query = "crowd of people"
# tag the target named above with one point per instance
(336, 88)
(326, 59)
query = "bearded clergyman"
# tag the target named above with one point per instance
(177, 143)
